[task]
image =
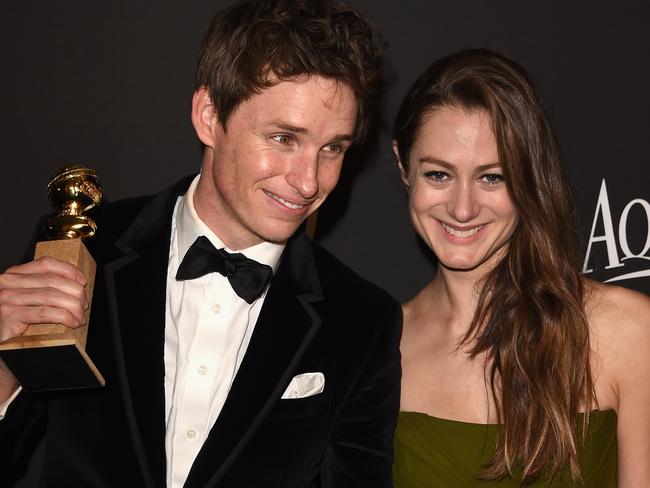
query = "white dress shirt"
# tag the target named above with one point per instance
(5, 405)
(207, 331)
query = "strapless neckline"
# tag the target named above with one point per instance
(433, 418)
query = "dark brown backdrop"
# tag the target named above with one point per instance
(108, 84)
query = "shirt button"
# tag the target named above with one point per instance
(202, 370)
(216, 308)
(191, 434)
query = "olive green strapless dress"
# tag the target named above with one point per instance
(438, 453)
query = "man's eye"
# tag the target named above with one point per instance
(436, 176)
(492, 178)
(334, 148)
(282, 138)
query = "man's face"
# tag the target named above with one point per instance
(275, 162)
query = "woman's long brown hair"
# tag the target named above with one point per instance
(530, 320)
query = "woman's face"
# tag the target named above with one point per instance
(458, 199)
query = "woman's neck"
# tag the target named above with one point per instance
(455, 294)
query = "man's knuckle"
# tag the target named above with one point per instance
(63, 316)
(48, 263)
(79, 292)
(78, 310)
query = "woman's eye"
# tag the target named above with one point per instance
(492, 178)
(436, 176)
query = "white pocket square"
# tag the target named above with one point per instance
(305, 385)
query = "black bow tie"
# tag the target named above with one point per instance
(247, 277)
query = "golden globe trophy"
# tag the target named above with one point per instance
(52, 356)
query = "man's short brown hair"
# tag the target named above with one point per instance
(254, 44)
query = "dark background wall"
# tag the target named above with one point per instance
(108, 84)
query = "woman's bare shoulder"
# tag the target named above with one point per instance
(619, 320)
(614, 308)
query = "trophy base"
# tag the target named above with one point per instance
(50, 364)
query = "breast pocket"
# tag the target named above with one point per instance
(295, 408)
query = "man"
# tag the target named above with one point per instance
(290, 384)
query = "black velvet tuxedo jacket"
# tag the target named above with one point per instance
(318, 316)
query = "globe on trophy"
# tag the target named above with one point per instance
(52, 356)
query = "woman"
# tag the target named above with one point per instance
(516, 369)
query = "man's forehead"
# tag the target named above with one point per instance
(310, 93)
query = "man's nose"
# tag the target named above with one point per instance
(303, 175)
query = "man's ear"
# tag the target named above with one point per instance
(402, 173)
(204, 116)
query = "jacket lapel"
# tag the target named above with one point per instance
(136, 285)
(285, 328)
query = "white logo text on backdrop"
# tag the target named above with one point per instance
(610, 237)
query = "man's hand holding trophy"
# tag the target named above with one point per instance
(52, 356)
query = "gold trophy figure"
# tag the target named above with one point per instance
(52, 356)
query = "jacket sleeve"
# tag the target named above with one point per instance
(21, 431)
(361, 450)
